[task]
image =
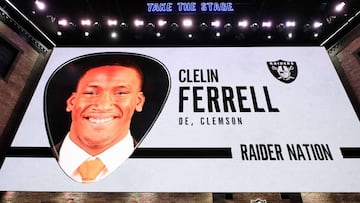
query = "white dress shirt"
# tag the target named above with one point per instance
(71, 156)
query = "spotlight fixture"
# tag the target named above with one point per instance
(86, 34)
(138, 23)
(190, 35)
(340, 6)
(317, 24)
(113, 35)
(227, 27)
(243, 23)
(51, 18)
(85, 22)
(58, 33)
(218, 34)
(112, 22)
(174, 26)
(266, 24)
(203, 26)
(40, 5)
(162, 23)
(290, 24)
(150, 26)
(63, 22)
(290, 35)
(96, 25)
(307, 27)
(123, 26)
(280, 27)
(187, 23)
(254, 26)
(215, 23)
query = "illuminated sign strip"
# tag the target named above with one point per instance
(169, 7)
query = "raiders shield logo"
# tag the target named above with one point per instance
(285, 71)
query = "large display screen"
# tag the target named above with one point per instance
(201, 119)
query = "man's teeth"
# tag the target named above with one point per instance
(102, 120)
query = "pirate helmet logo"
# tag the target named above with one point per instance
(285, 71)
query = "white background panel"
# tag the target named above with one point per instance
(314, 109)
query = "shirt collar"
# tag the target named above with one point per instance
(71, 155)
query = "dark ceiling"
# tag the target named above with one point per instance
(303, 12)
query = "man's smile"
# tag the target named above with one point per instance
(100, 120)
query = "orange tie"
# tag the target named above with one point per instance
(90, 169)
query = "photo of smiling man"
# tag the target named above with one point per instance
(101, 111)
(101, 131)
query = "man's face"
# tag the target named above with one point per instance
(103, 105)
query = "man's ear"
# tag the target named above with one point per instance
(140, 100)
(70, 102)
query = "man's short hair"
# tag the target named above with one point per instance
(124, 63)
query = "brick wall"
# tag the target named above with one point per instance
(345, 55)
(11, 88)
(16, 89)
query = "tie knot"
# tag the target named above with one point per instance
(90, 169)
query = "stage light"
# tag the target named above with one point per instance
(51, 18)
(85, 22)
(290, 24)
(340, 6)
(112, 22)
(86, 34)
(113, 35)
(158, 34)
(162, 23)
(280, 27)
(203, 26)
(138, 23)
(330, 19)
(218, 34)
(40, 5)
(290, 35)
(316, 35)
(150, 26)
(227, 27)
(58, 33)
(190, 35)
(187, 23)
(63, 22)
(266, 24)
(215, 23)
(268, 37)
(174, 26)
(307, 27)
(243, 23)
(317, 24)
(123, 26)
(254, 26)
